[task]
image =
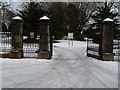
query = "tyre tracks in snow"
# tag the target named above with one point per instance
(104, 77)
(76, 65)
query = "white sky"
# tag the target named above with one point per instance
(60, 0)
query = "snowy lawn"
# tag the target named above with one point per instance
(69, 68)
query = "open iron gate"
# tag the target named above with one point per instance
(94, 48)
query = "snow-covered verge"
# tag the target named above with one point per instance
(69, 68)
(0, 74)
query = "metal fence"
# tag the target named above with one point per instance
(116, 49)
(5, 42)
(30, 49)
(93, 49)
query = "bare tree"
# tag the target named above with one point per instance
(6, 14)
(78, 14)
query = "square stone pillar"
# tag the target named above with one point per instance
(17, 40)
(44, 50)
(107, 39)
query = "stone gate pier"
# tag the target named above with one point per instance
(107, 39)
(17, 40)
(44, 49)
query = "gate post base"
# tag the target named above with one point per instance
(43, 55)
(16, 55)
(5, 55)
(108, 57)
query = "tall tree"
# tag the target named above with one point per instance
(6, 14)
(77, 16)
(56, 14)
(31, 13)
(104, 11)
(69, 16)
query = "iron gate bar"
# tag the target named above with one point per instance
(30, 50)
(92, 49)
(116, 49)
(5, 44)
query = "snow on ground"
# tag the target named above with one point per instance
(0, 74)
(69, 68)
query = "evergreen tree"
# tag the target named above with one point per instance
(103, 11)
(31, 13)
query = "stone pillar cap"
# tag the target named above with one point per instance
(44, 18)
(17, 18)
(108, 20)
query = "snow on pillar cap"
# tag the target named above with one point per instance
(17, 18)
(108, 20)
(44, 18)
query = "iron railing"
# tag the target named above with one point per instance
(30, 48)
(5, 42)
(116, 49)
(93, 49)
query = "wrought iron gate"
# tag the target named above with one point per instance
(116, 47)
(29, 48)
(5, 42)
(94, 48)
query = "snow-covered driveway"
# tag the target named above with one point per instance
(69, 68)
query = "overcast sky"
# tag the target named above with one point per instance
(59, 0)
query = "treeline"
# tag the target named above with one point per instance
(76, 17)
(64, 17)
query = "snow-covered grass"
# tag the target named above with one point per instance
(69, 68)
